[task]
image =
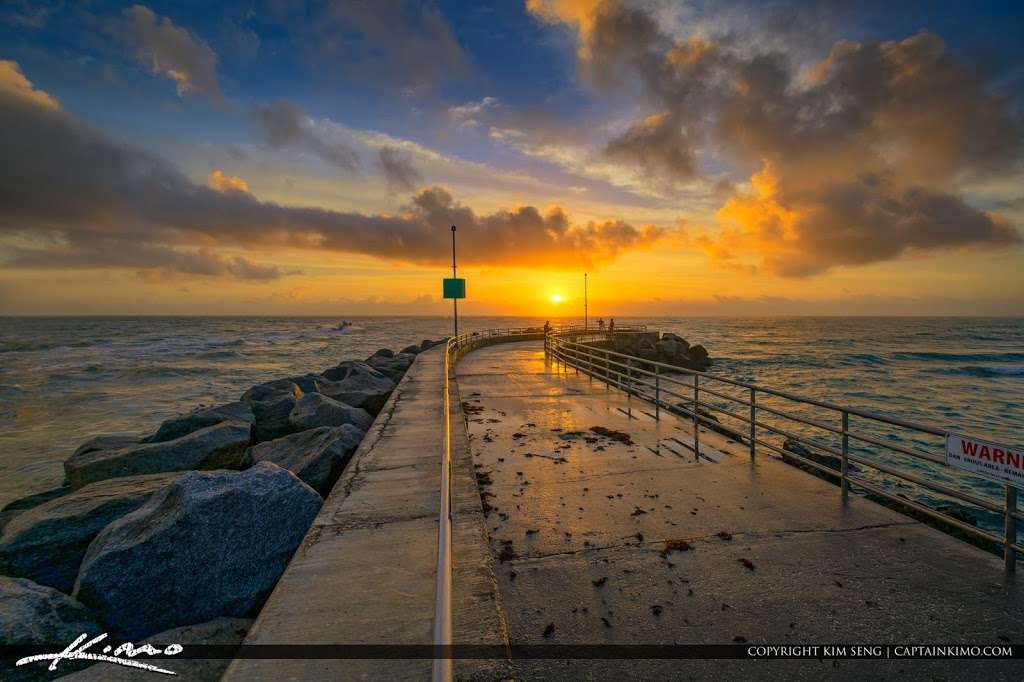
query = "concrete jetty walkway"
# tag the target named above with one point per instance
(366, 570)
(567, 535)
(363, 574)
(623, 538)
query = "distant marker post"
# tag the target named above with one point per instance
(455, 301)
(586, 326)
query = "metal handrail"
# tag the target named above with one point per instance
(442, 668)
(772, 391)
(454, 348)
(629, 372)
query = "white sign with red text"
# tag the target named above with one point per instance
(996, 462)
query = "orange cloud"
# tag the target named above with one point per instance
(692, 54)
(579, 13)
(852, 222)
(14, 84)
(227, 183)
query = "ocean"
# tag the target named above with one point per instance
(63, 379)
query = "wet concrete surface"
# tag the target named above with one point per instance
(623, 538)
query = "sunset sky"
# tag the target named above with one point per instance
(703, 158)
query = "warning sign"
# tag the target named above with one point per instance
(996, 462)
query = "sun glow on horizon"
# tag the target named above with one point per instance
(557, 298)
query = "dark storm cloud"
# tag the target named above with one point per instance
(92, 250)
(861, 95)
(844, 224)
(908, 105)
(398, 171)
(171, 51)
(284, 124)
(658, 146)
(859, 154)
(75, 196)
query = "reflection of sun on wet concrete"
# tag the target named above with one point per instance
(560, 477)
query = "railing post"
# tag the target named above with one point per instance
(657, 394)
(753, 423)
(696, 420)
(844, 482)
(629, 386)
(1010, 526)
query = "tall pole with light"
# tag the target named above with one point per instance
(453, 287)
(585, 316)
(455, 301)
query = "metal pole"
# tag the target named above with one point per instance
(1009, 553)
(657, 394)
(585, 317)
(629, 386)
(696, 421)
(753, 423)
(844, 483)
(455, 301)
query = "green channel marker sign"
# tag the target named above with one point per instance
(454, 287)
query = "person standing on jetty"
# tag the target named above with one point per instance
(547, 327)
(600, 324)
(611, 327)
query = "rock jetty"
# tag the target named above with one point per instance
(186, 530)
(666, 348)
(212, 543)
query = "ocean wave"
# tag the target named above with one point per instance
(169, 371)
(863, 359)
(984, 337)
(232, 343)
(221, 355)
(25, 346)
(790, 360)
(979, 371)
(84, 373)
(959, 357)
(36, 346)
(11, 392)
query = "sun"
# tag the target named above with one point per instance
(556, 298)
